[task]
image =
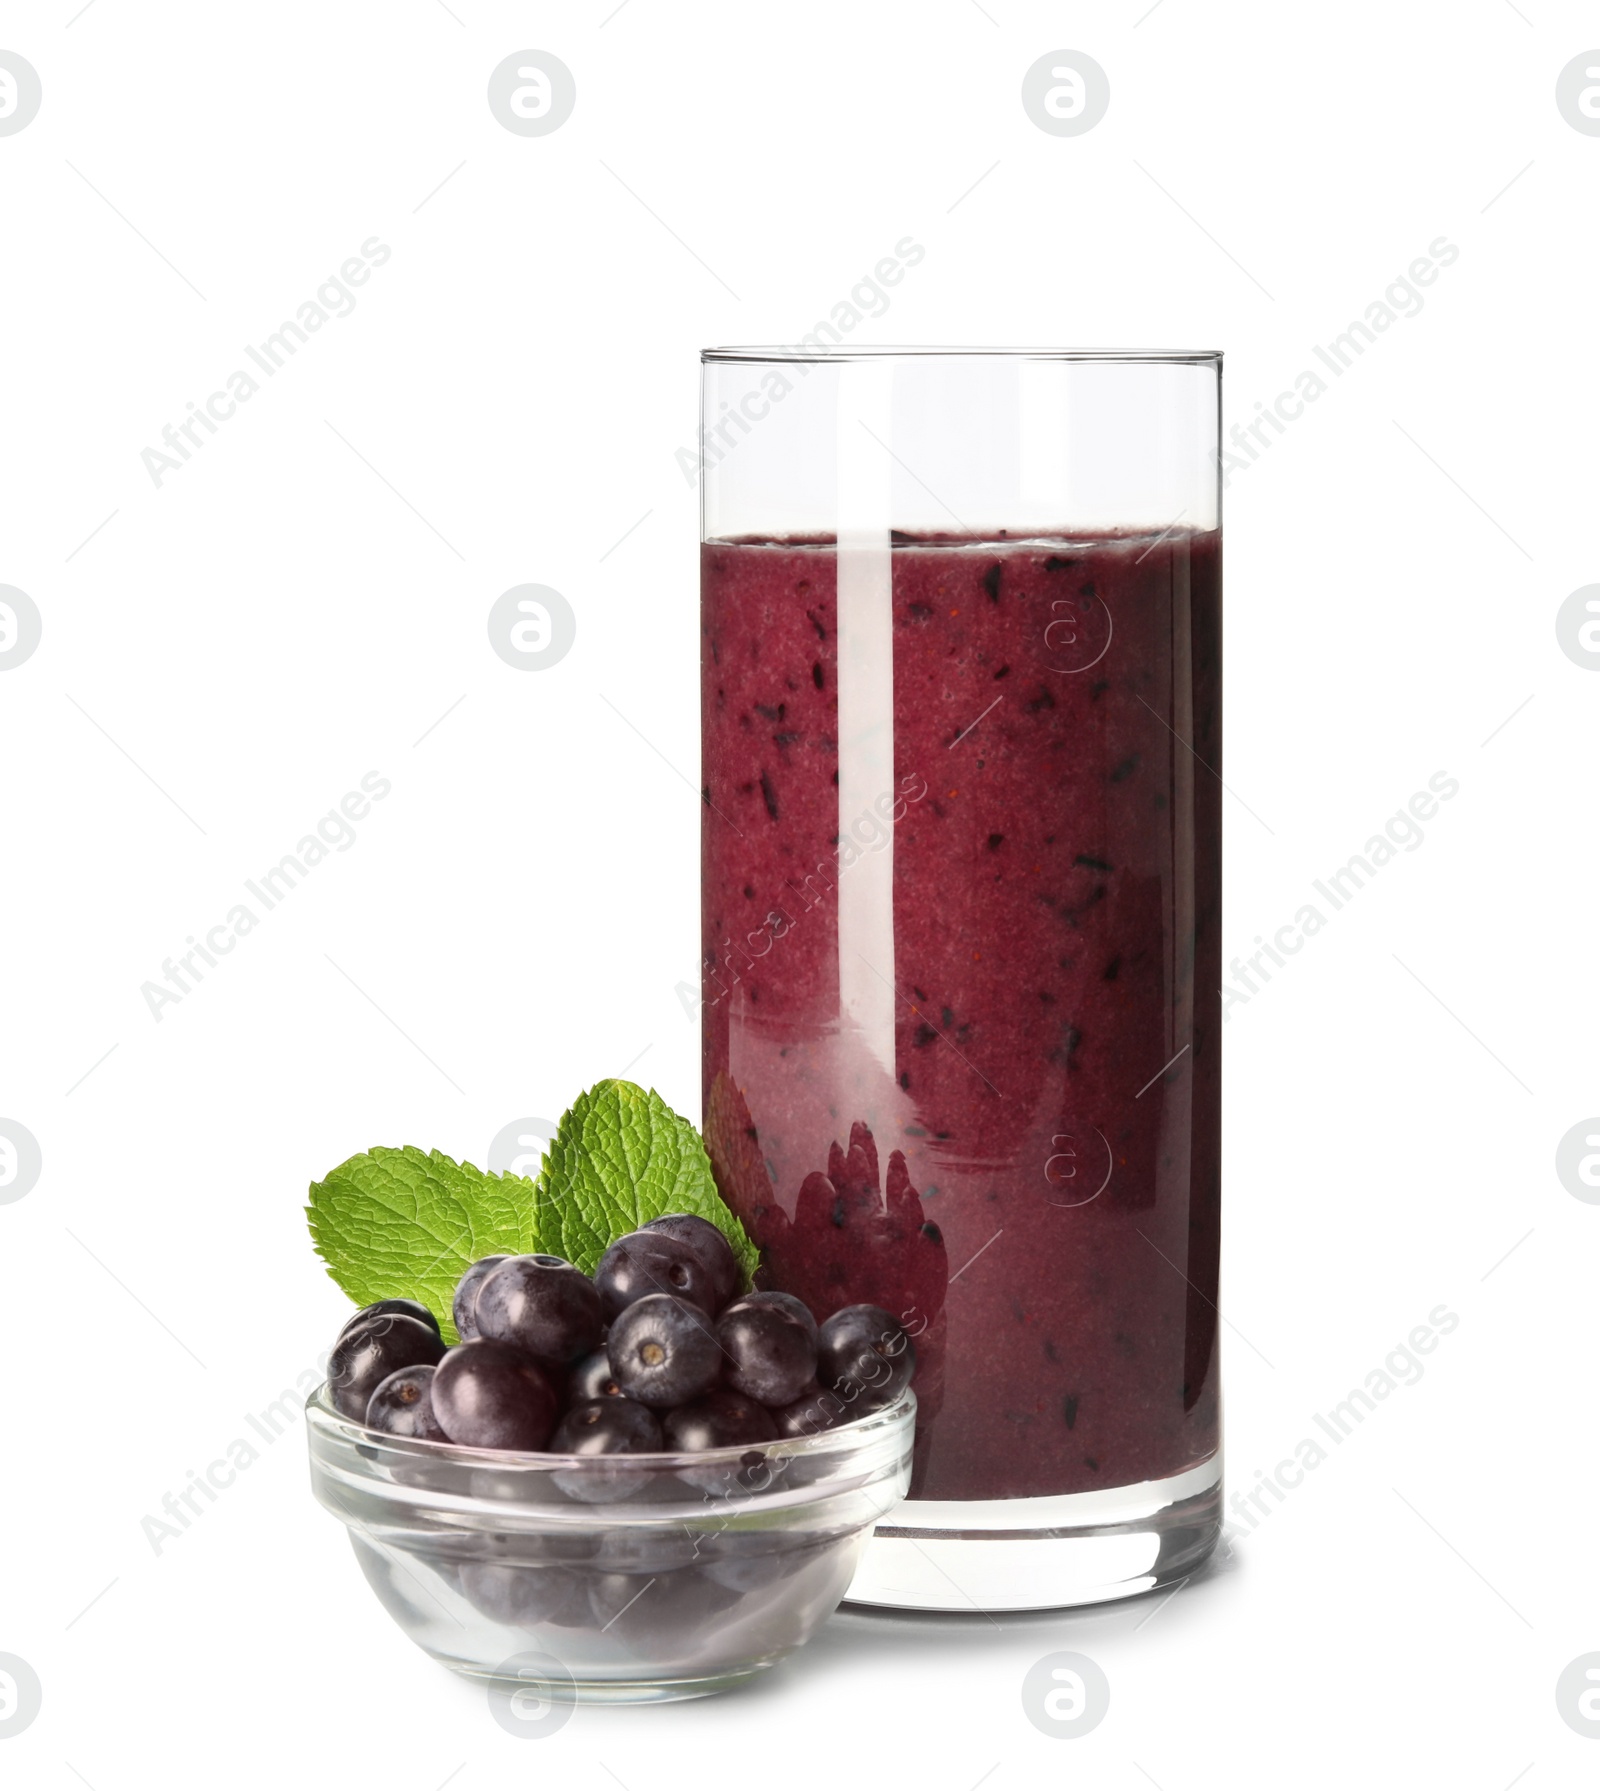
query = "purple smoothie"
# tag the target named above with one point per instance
(1028, 1173)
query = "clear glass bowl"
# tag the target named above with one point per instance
(634, 1578)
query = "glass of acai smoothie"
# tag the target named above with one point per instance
(961, 768)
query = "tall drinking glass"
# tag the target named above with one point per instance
(961, 713)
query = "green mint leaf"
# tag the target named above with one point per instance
(406, 1224)
(620, 1158)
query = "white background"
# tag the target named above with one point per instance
(231, 651)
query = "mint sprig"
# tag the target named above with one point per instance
(620, 1158)
(408, 1223)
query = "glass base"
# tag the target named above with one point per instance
(648, 1690)
(1041, 1554)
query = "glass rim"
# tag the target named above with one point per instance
(855, 1434)
(797, 352)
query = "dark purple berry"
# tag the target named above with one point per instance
(461, 1307)
(646, 1548)
(371, 1351)
(771, 1355)
(721, 1420)
(490, 1395)
(814, 1411)
(592, 1379)
(796, 1308)
(663, 1351)
(543, 1305)
(526, 1596)
(403, 1406)
(657, 1610)
(751, 1571)
(866, 1357)
(608, 1427)
(399, 1308)
(708, 1243)
(647, 1262)
(724, 1421)
(605, 1427)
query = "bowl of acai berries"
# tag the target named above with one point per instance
(646, 1482)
